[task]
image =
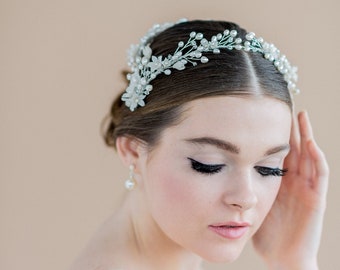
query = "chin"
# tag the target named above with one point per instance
(224, 259)
(222, 256)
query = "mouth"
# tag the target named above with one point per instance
(230, 230)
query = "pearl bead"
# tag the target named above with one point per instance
(199, 36)
(129, 184)
(233, 33)
(204, 59)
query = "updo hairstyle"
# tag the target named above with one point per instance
(230, 73)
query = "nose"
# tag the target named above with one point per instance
(240, 193)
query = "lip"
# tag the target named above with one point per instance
(230, 230)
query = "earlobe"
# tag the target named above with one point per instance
(128, 149)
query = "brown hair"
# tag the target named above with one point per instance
(228, 73)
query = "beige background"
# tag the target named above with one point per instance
(60, 65)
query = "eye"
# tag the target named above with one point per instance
(205, 168)
(266, 171)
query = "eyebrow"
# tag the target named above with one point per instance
(227, 146)
(230, 147)
(277, 149)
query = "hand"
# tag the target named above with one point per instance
(289, 238)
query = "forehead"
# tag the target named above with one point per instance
(241, 120)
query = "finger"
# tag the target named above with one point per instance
(306, 135)
(306, 132)
(321, 169)
(295, 134)
(291, 161)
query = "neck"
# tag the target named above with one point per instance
(147, 243)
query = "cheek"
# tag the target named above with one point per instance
(274, 191)
(172, 192)
(175, 199)
(267, 197)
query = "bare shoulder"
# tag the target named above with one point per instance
(98, 255)
(96, 260)
(103, 251)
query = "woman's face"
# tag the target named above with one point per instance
(213, 178)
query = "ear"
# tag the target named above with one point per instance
(129, 150)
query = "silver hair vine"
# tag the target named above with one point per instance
(146, 67)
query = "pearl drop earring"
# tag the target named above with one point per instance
(130, 183)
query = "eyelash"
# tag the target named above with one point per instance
(266, 171)
(205, 168)
(209, 169)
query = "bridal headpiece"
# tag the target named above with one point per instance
(145, 67)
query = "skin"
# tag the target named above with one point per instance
(164, 223)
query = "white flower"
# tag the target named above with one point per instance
(147, 52)
(155, 63)
(133, 99)
(180, 65)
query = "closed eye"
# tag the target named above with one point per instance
(205, 168)
(266, 171)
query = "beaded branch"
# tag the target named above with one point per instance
(146, 67)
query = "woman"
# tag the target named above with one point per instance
(216, 158)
